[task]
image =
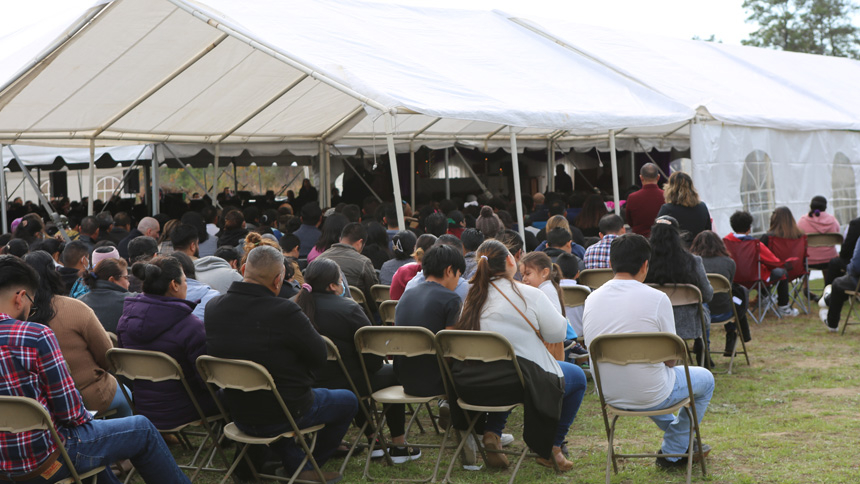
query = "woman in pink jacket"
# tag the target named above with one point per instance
(817, 221)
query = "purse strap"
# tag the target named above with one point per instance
(537, 332)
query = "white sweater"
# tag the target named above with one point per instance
(498, 315)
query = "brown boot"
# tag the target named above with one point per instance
(564, 465)
(491, 442)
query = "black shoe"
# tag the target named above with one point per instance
(399, 455)
(665, 463)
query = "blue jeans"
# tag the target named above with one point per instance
(574, 390)
(676, 430)
(120, 403)
(334, 408)
(103, 442)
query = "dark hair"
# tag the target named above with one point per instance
(628, 252)
(104, 270)
(610, 224)
(227, 252)
(49, 245)
(311, 213)
(593, 210)
(331, 230)
(105, 220)
(353, 212)
(50, 285)
(489, 223)
(403, 244)
(390, 212)
(122, 219)
(472, 239)
(195, 220)
(709, 244)
(319, 274)
(741, 221)
(353, 232)
(183, 236)
(541, 261)
(209, 214)
(817, 205)
(492, 257)
(29, 227)
(157, 274)
(455, 218)
(422, 245)
(142, 247)
(376, 234)
(289, 268)
(289, 242)
(441, 257)
(512, 240)
(187, 264)
(557, 207)
(251, 214)
(17, 247)
(15, 273)
(569, 265)
(449, 239)
(233, 219)
(557, 237)
(436, 224)
(670, 261)
(73, 252)
(89, 225)
(782, 224)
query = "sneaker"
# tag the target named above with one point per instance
(825, 297)
(823, 315)
(378, 452)
(578, 349)
(399, 454)
(444, 414)
(506, 440)
(469, 456)
(787, 311)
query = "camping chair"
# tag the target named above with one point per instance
(829, 239)
(357, 295)
(595, 278)
(156, 366)
(648, 348)
(722, 285)
(380, 292)
(386, 312)
(248, 376)
(853, 295)
(793, 251)
(747, 257)
(406, 341)
(682, 295)
(479, 347)
(22, 414)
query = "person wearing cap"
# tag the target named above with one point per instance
(597, 255)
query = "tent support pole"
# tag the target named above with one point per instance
(80, 185)
(347, 163)
(614, 161)
(487, 193)
(412, 174)
(185, 167)
(632, 167)
(447, 175)
(153, 175)
(321, 171)
(3, 206)
(395, 178)
(550, 181)
(92, 196)
(328, 182)
(44, 201)
(124, 178)
(215, 175)
(235, 180)
(518, 193)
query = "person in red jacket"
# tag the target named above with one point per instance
(642, 206)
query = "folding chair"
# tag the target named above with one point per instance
(248, 376)
(747, 257)
(479, 347)
(853, 295)
(722, 285)
(829, 239)
(407, 341)
(682, 295)
(794, 252)
(357, 295)
(22, 414)
(595, 278)
(114, 340)
(649, 348)
(380, 292)
(386, 312)
(574, 296)
(156, 366)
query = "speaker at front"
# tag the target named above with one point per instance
(59, 184)
(132, 181)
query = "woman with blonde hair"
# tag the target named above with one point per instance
(682, 203)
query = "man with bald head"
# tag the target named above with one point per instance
(147, 226)
(642, 205)
(250, 322)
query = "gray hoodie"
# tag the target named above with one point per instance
(216, 272)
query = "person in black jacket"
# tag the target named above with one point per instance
(338, 318)
(250, 322)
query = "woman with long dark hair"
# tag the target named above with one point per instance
(589, 217)
(782, 225)
(403, 245)
(339, 318)
(31, 229)
(330, 234)
(671, 263)
(82, 338)
(376, 245)
(526, 317)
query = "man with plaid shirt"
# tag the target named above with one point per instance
(597, 255)
(31, 365)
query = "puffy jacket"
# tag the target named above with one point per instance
(822, 224)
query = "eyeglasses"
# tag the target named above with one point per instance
(33, 307)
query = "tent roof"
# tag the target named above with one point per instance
(54, 158)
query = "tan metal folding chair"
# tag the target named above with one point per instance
(155, 366)
(479, 347)
(853, 296)
(682, 295)
(114, 340)
(248, 376)
(357, 295)
(380, 292)
(574, 296)
(595, 278)
(22, 414)
(386, 312)
(406, 341)
(651, 348)
(722, 285)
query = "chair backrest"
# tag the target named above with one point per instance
(406, 341)
(243, 375)
(114, 340)
(829, 239)
(790, 249)
(380, 292)
(595, 278)
(574, 295)
(719, 283)
(746, 254)
(386, 312)
(22, 414)
(680, 294)
(630, 348)
(152, 366)
(357, 295)
(475, 346)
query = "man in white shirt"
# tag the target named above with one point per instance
(626, 305)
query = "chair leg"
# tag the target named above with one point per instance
(472, 419)
(848, 315)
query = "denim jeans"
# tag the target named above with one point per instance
(334, 408)
(120, 403)
(103, 442)
(676, 429)
(574, 390)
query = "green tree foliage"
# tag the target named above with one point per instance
(813, 26)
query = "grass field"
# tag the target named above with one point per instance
(790, 417)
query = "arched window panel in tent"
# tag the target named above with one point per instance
(757, 190)
(106, 186)
(844, 198)
(454, 170)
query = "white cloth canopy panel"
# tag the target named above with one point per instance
(759, 169)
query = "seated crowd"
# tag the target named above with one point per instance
(265, 282)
